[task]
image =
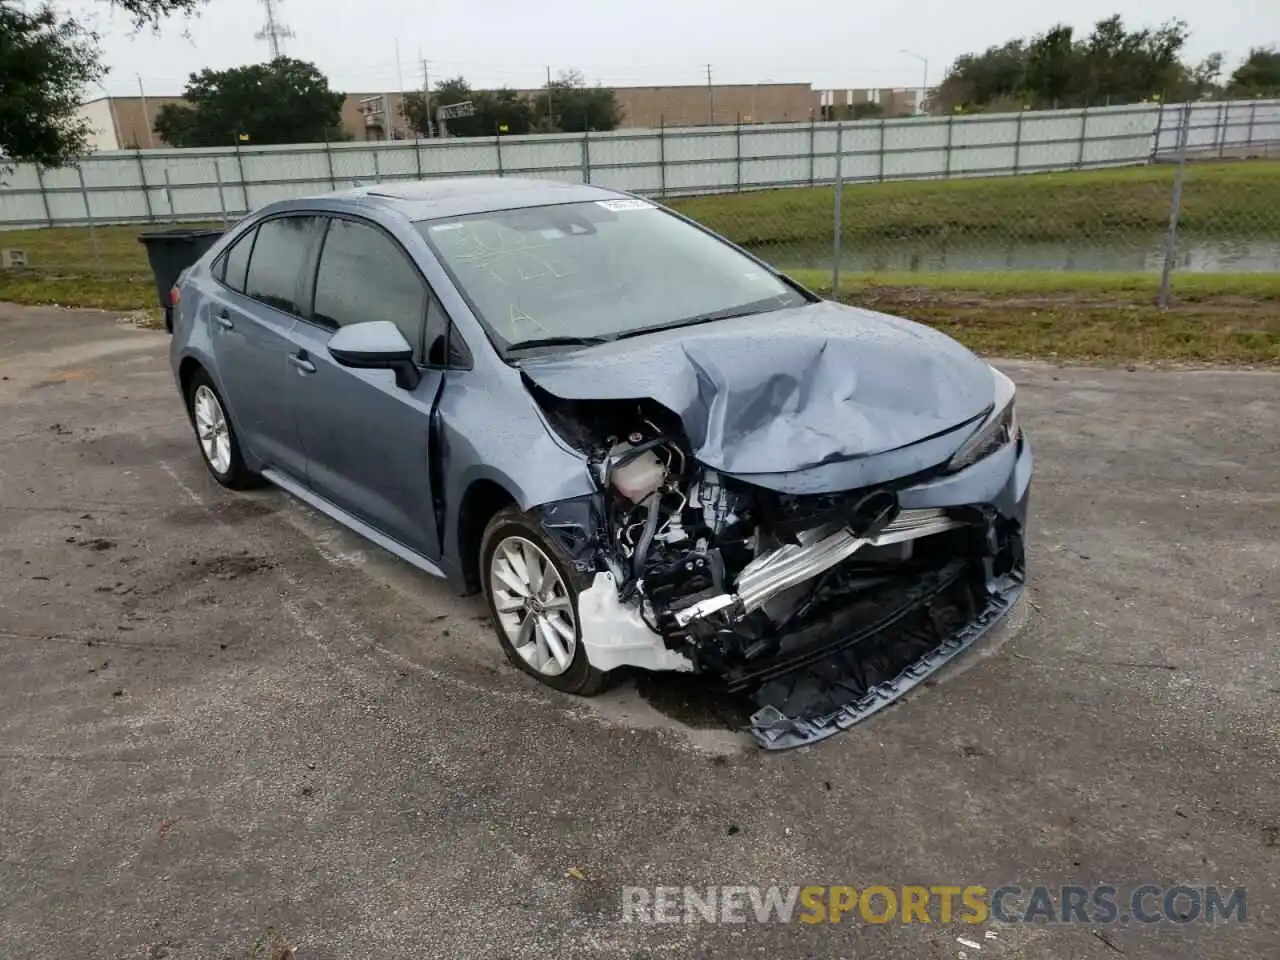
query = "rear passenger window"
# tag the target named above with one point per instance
(280, 258)
(364, 275)
(235, 263)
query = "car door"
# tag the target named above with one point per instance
(263, 275)
(369, 443)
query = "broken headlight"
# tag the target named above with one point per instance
(999, 428)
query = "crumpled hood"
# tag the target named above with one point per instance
(792, 392)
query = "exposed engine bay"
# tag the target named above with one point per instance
(763, 589)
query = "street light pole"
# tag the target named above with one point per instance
(924, 83)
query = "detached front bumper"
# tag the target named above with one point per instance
(863, 654)
(862, 660)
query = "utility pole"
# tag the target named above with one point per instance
(426, 91)
(551, 117)
(399, 81)
(146, 114)
(711, 98)
(924, 82)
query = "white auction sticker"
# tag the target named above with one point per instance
(625, 203)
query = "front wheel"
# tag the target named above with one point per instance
(532, 590)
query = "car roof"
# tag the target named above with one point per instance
(459, 196)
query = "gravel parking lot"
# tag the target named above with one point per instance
(228, 727)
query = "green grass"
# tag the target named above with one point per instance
(1227, 200)
(1109, 317)
(115, 292)
(1115, 287)
(1092, 329)
(104, 269)
(71, 249)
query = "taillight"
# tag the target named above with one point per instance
(175, 296)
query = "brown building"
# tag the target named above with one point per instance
(681, 106)
(123, 123)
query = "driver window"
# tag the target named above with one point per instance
(364, 275)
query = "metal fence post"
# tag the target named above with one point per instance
(737, 184)
(662, 156)
(222, 199)
(168, 195)
(88, 215)
(244, 187)
(586, 156)
(1084, 132)
(417, 156)
(738, 137)
(146, 193)
(813, 146)
(497, 142)
(835, 243)
(1017, 144)
(880, 158)
(950, 126)
(328, 157)
(1253, 107)
(44, 196)
(1155, 146)
(1222, 125)
(1175, 210)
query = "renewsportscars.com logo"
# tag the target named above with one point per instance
(877, 904)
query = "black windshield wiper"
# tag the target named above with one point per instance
(732, 313)
(557, 342)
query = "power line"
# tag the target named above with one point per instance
(274, 30)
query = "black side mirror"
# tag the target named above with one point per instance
(376, 345)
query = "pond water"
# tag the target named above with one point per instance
(1255, 255)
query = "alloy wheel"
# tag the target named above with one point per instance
(212, 429)
(533, 605)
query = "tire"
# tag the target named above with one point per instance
(520, 537)
(221, 454)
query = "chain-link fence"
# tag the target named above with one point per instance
(1205, 201)
(1174, 191)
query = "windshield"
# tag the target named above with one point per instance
(589, 272)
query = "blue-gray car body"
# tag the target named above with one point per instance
(811, 405)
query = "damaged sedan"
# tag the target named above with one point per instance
(646, 447)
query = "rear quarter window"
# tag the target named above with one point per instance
(233, 267)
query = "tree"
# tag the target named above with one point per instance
(567, 104)
(574, 107)
(1258, 76)
(984, 78)
(284, 101)
(502, 111)
(46, 60)
(1056, 68)
(151, 12)
(1203, 81)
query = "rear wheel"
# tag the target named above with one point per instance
(215, 434)
(532, 591)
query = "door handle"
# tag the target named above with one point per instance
(224, 320)
(300, 361)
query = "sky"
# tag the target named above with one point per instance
(831, 44)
